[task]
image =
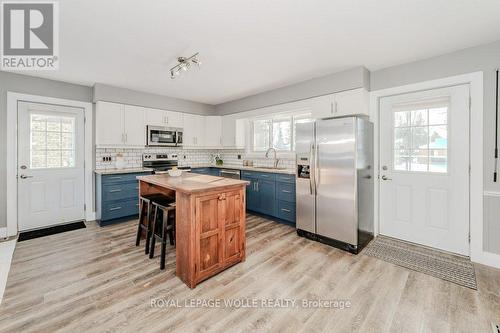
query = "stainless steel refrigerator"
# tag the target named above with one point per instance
(334, 181)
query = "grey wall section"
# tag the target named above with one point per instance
(350, 79)
(485, 58)
(33, 86)
(103, 92)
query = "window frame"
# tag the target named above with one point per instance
(272, 118)
(74, 133)
(421, 105)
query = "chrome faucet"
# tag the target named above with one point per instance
(276, 160)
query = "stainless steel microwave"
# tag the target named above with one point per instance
(164, 136)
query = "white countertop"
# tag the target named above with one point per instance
(118, 171)
(247, 168)
(233, 167)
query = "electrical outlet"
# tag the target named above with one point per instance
(106, 159)
(239, 156)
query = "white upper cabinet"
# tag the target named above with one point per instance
(158, 117)
(134, 127)
(109, 124)
(233, 132)
(194, 131)
(345, 103)
(351, 102)
(119, 125)
(213, 130)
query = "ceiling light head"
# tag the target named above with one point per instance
(184, 64)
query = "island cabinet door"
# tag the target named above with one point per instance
(209, 238)
(233, 213)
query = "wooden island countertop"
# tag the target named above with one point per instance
(210, 222)
(191, 183)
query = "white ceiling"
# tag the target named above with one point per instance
(250, 46)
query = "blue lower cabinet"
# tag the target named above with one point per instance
(252, 197)
(117, 197)
(271, 194)
(206, 171)
(286, 210)
(266, 190)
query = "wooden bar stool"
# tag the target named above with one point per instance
(145, 210)
(163, 225)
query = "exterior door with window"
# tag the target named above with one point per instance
(50, 165)
(424, 168)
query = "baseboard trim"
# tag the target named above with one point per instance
(488, 259)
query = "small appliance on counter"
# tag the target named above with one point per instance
(162, 163)
(334, 181)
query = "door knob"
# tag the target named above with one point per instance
(25, 177)
(384, 177)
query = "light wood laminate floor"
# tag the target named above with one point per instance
(95, 279)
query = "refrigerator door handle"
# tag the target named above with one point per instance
(316, 172)
(312, 171)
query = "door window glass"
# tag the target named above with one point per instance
(52, 141)
(421, 139)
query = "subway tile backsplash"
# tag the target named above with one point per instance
(187, 157)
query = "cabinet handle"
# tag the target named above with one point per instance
(114, 191)
(116, 177)
(222, 196)
(257, 186)
(336, 106)
(286, 210)
(115, 208)
(331, 107)
(286, 191)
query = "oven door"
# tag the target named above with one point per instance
(161, 136)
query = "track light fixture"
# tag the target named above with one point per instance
(184, 64)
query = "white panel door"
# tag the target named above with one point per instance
(50, 165)
(174, 119)
(109, 124)
(213, 132)
(351, 102)
(424, 159)
(155, 117)
(134, 127)
(228, 131)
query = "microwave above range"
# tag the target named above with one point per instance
(158, 136)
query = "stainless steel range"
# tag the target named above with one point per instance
(161, 163)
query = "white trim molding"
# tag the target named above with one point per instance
(12, 100)
(491, 193)
(3, 232)
(475, 81)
